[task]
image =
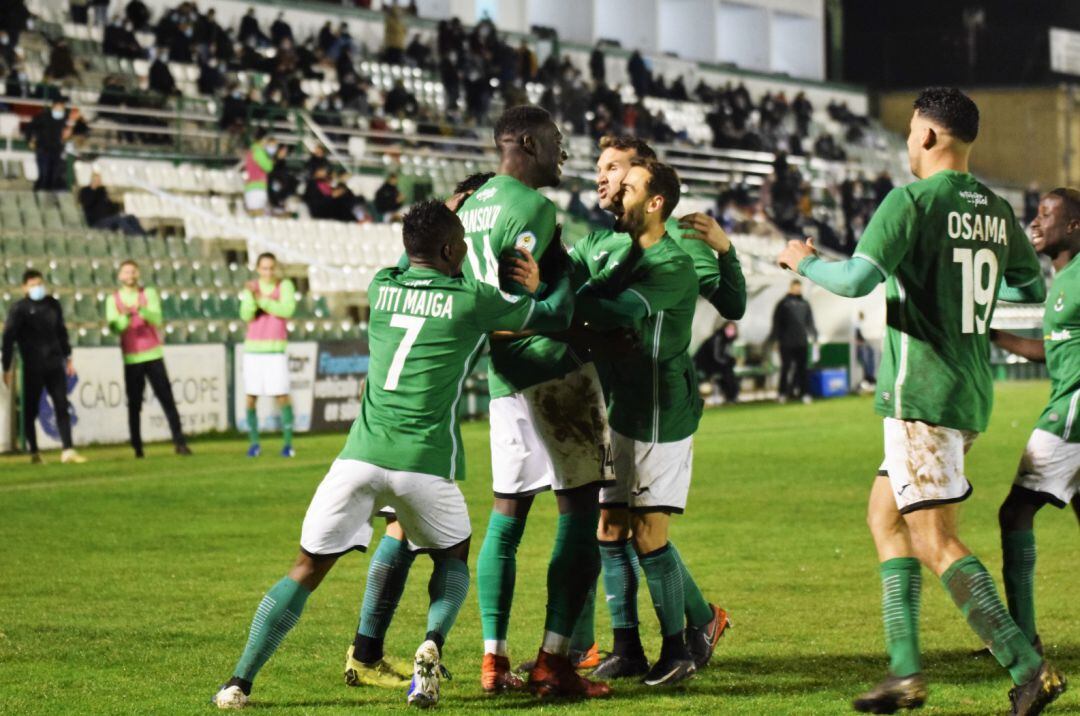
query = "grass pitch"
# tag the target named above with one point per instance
(128, 587)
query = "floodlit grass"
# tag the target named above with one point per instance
(128, 586)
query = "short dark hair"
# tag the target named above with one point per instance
(426, 226)
(663, 180)
(473, 182)
(265, 255)
(520, 119)
(1071, 199)
(952, 109)
(626, 143)
(30, 273)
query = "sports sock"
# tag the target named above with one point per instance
(278, 612)
(386, 577)
(973, 590)
(621, 567)
(574, 564)
(584, 635)
(1018, 568)
(901, 584)
(287, 424)
(698, 611)
(447, 589)
(496, 570)
(665, 582)
(253, 426)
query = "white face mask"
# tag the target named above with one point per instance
(58, 114)
(36, 293)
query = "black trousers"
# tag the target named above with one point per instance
(794, 378)
(51, 171)
(135, 377)
(52, 379)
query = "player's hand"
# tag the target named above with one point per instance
(794, 253)
(524, 270)
(454, 203)
(705, 228)
(252, 286)
(70, 368)
(9, 378)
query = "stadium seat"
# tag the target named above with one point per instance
(163, 274)
(58, 275)
(87, 308)
(56, 245)
(197, 332)
(104, 274)
(183, 274)
(82, 274)
(211, 305)
(176, 332)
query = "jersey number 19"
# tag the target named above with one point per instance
(978, 287)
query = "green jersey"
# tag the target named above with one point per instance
(944, 243)
(1061, 334)
(424, 335)
(501, 216)
(652, 390)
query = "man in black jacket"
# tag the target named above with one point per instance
(793, 329)
(48, 132)
(36, 325)
(102, 212)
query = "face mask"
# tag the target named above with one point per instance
(58, 114)
(36, 293)
(271, 149)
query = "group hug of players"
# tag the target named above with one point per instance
(594, 396)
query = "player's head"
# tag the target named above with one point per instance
(266, 266)
(1056, 227)
(795, 288)
(649, 193)
(530, 145)
(945, 121)
(616, 154)
(471, 183)
(434, 237)
(128, 274)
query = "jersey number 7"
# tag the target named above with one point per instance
(412, 326)
(975, 291)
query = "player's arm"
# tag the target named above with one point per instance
(851, 278)
(1031, 348)
(500, 312)
(247, 305)
(117, 321)
(152, 312)
(720, 277)
(539, 223)
(658, 290)
(285, 305)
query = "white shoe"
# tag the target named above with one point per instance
(424, 689)
(230, 697)
(806, 399)
(69, 456)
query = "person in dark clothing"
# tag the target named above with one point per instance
(103, 213)
(793, 329)
(36, 325)
(715, 361)
(639, 74)
(319, 194)
(400, 101)
(211, 78)
(249, 29)
(281, 183)
(161, 79)
(280, 30)
(119, 41)
(48, 131)
(388, 198)
(61, 63)
(139, 15)
(597, 68)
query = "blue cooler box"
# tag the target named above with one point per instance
(829, 382)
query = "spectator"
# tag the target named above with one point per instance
(138, 14)
(119, 40)
(103, 213)
(317, 160)
(281, 31)
(864, 352)
(211, 79)
(61, 63)
(715, 361)
(234, 109)
(318, 194)
(639, 74)
(793, 329)
(882, 186)
(36, 325)
(18, 83)
(388, 198)
(400, 101)
(161, 78)
(394, 31)
(250, 34)
(597, 67)
(7, 49)
(281, 183)
(804, 111)
(79, 11)
(48, 131)
(257, 165)
(418, 52)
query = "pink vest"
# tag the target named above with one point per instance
(139, 336)
(267, 327)
(253, 173)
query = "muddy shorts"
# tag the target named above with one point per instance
(925, 463)
(551, 436)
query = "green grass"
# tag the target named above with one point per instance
(127, 587)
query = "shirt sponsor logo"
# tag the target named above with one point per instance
(525, 240)
(1062, 335)
(510, 298)
(977, 227)
(974, 198)
(485, 194)
(1059, 304)
(479, 220)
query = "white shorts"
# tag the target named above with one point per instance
(431, 509)
(925, 463)
(552, 435)
(1050, 465)
(256, 199)
(266, 374)
(650, 477)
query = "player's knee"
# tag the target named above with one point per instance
(882, 524)
(614, 524)
(309, 570)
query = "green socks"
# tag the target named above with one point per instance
(278, 612)
(253, 426)
(447, 590)
(621, 566)
(664, 577)
(387, 573)
(584, 635)
(901, 584)
(698, 611)
(973, 590)
(574, 565)
(1018, 551)
(496, 570)
(287, 424)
